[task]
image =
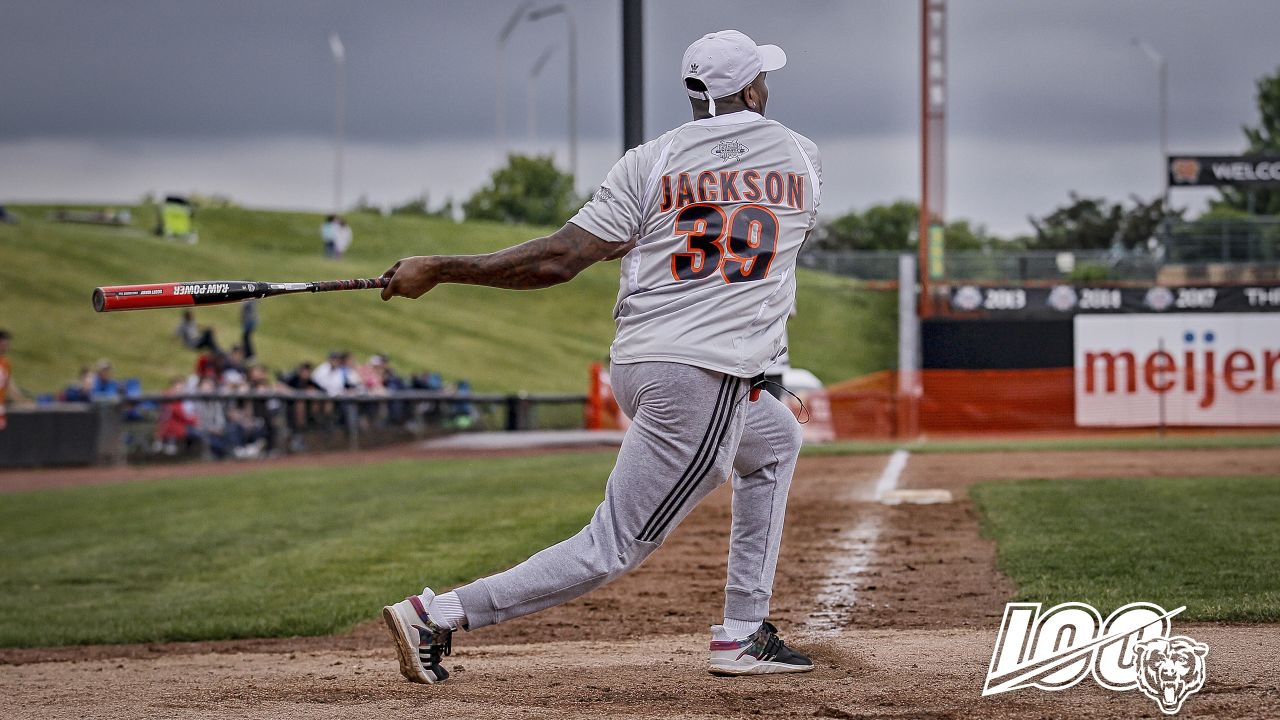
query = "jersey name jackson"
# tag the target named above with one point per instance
(727, 186)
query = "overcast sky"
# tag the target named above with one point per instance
(110, 99)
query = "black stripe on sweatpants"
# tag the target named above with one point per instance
(702, 462)
(693, 462)
(708, 463)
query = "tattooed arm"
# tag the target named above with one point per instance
(546, 261)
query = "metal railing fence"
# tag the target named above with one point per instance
(153, 427)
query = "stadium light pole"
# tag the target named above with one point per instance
(501, 98)
(933, 148)
(531, 90)
(562, 9)
(1162, 72)
(340, 116)
(632, 73)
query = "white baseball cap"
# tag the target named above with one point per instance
(725, 62)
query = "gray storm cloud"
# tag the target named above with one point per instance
(1036, 88)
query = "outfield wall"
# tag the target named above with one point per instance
(1190, 370)
(1090, 372)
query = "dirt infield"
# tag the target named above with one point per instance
(897, 603)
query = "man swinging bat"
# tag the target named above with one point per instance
(708, 220)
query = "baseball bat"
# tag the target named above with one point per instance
(213, 292)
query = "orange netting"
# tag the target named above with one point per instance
(864, 407)
(997, 400)
(956, 401)
(952, 401)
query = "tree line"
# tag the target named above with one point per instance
(531, 190)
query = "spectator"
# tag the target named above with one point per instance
(432, 410)
(341, 238)
(245, 432)
(428, 381)
(193, 336)
(300, 379)
(232, 371)
(268, 413)
(82, 390)
(462, 413)
(390, 379)
(329, 234)
(177, 423)
(326, 374)
(398, 410)
(347, 371)
(211, 419)
(8, 390)
(303, 412)
(105, 387)
(370, 375)
(248, 323)
(335, 375)
(260, 381)
(207, 363)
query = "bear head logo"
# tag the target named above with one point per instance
(1185, 170)
(1170, 669)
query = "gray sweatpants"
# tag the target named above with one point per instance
(690, 427)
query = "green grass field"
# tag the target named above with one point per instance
(540, 341)
(315, 551)
(276, 552)
(1208, 543)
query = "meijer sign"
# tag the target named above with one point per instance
(1211, 369)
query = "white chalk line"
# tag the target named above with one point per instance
(854, 552)
(892, 473)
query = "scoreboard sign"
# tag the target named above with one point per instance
(1066, 300)
(1177, 369)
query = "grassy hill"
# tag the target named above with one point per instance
(539, 341)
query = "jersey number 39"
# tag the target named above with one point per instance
(739, 246)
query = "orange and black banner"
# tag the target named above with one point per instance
(1067, 300)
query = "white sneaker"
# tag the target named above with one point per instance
(763, 652)
(420, 643)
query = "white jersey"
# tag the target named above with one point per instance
(718, 208)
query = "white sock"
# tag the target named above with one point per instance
(741, 629)
(446, 611)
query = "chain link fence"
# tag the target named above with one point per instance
(1232, 249)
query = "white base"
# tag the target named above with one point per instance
(932, 496)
